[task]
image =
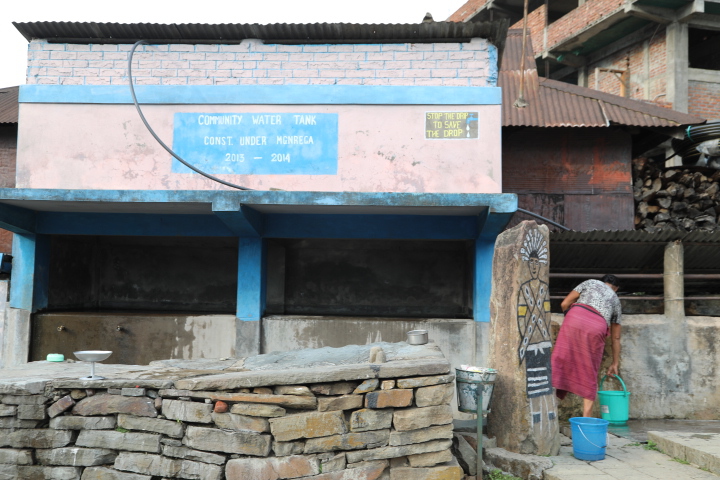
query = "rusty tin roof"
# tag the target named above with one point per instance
(552, 103)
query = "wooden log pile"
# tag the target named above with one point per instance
(679, 198)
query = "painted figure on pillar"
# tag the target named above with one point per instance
(533, 319)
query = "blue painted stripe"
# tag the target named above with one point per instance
(425, 227)
(498, 202)
(263, 94)
(23, 272)
(251, 279)
(64, 223)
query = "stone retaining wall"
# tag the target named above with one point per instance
(390, 419)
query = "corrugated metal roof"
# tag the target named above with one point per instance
(636, 236)
(9, 104)
(197, 33)
(558, 104)
(513, 52)
(621, 110)
(632, 251)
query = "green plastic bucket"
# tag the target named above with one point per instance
(614, 404)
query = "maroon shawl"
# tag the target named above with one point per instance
(578, 352)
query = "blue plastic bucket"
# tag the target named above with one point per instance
(589, 438)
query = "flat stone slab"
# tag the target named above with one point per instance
(83, 423)
(308, 425)
(231, 381)
(195, 455)
(394, 452)
(16, 456)
(271, 468)
(215, 440)
(446, 471)
(36, 438)
(104, 473)
(219, 364)
(159, 466)
(76, 457)
(21, 386)
(32, 472)
(110, 439)
(113, 383)
(347, 355)
(154, 425)
(109, 404)
(302, 367)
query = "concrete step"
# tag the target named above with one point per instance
(624, 460)
(700, 449)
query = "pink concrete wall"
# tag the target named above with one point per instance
(380, 149)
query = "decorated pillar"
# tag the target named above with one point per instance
(523, 414)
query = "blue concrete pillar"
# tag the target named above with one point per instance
(484, 250)
(30, 273)
(251, 279)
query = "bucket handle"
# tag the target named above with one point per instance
(616, 376)
(607, 439)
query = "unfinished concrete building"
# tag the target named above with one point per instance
(661, 51)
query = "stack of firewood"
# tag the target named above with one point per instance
(677, 198)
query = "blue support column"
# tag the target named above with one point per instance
(30, 275)
(23, 271)
(490, 226)
(484, 249)
(251, 279)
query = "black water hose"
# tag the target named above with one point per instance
(694, 136)
(152, 132)
(532, 214)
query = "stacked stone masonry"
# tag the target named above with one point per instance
(255, 63)
(365, 428)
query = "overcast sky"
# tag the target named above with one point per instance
(13, 53)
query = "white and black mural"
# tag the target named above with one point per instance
(533, 319)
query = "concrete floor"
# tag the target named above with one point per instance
(636, 430)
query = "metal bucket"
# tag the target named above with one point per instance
(468, 382)
(417, 337)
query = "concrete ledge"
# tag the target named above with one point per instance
(701, 449)
(324, 365)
